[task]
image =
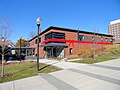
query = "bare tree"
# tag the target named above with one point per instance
(5, 29)
(31, 34)
(5, 33)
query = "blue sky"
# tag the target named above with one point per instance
(74, 14)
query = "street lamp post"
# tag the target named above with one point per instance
(2, 74)
(38, 21)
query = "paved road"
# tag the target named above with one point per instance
(74, 76)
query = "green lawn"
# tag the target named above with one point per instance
(24, 69)
(91, 60)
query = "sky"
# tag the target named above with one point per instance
(84, 15)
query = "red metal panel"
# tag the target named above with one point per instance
(73, 41)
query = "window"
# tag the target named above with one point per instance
(111, 40)
(55, 35)
(106, 39)
(36, 40)
(80, 37)
(93, 38)
(101, 39)
(39, 40)
(70, 51)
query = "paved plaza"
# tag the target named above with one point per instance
(74, 76)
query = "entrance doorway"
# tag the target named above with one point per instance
(55, 52)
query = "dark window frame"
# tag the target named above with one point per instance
(101, 39)
(81, 37)
(111, 40)
(57, 35)
(93, 38)
(36, 40)
(106, 39)
(71, 51)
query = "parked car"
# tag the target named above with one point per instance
(14, 57)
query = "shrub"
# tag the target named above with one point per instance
(113, 49)
(89, 52)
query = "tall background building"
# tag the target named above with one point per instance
(114, 29)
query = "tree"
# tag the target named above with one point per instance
(21, 51)
(5, 28)
(24, 43)
(31, 34)
(5, 33)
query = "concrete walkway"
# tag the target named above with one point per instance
(61, 64)
(74, 76)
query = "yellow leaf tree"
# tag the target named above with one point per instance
(23, 43)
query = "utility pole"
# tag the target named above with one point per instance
(20, 48)
(94, 46)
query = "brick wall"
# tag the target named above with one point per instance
(69, 36)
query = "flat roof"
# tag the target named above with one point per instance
(70, 30)
(115, 21)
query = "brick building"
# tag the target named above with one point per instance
(56, 42)
(114, 29)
